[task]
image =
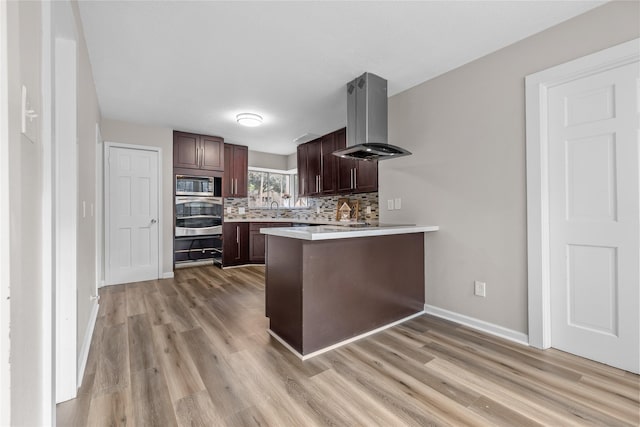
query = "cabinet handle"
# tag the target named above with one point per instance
(238, 235)
(302, 190)
(355, 178)
(351, 178)
(202, 157)
(197, 157)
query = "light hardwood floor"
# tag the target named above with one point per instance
(194, 351)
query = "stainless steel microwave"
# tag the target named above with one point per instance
(201, 186)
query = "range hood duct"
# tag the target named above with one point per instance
(367, 121)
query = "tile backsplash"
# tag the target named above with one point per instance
(328, 206)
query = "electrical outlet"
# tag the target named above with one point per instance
(241, 211)
(368, 210)
(390, 204)
(229, 210)
(318, 210)
(398, 203)
(480, 288)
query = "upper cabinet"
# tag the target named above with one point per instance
(321, 173)
(197, 153)
(354, 176)
(236, 165)
(310, 167)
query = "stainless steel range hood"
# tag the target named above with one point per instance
(367, 121)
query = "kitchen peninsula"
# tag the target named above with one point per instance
(327, 285)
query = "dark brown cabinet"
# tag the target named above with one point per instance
(257, 240)
(320, 173)
(354, 176)
(197, 152)
(235, 243)
(234, 180)
(329, 181)
(317, 167)
(302, 170)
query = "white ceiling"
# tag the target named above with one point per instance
(194, 65)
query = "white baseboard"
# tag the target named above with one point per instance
(341, 343)
(167, 275)
(86, 343)
(478, 324)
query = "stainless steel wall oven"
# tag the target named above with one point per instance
(198, 216)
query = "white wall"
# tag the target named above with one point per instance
(5, 249)
(466, 130)
(130, 133)
(25, 192)
(88, 116)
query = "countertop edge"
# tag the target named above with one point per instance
(347, 233)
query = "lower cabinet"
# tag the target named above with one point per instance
(235, 243)
(197, 249)
(257, 240)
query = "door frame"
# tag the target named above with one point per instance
(107, 206)
(537, 162)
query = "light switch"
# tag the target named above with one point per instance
(368, 210)
(390, 204)
(29, 117)
(229, 210)
(398, 203)
(241, 211)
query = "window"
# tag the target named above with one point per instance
(266, 187)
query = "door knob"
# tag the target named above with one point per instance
(153, 221)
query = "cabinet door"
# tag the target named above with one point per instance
(344, 173)
(328, 183)
(240, 169)
(366, 176)
(302, 170)
(235, 243)
(256, 242)
(211, 153)
(227, 181)
(314, 166)
(185, 150)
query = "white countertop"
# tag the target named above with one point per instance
(287, 220)
(327, 232)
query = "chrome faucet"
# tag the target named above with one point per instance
(277, 208)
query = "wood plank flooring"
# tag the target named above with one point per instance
(194, 351)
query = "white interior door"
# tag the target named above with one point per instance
(594, 217)
(133, 215)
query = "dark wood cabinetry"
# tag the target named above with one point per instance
(320, 173)
(354, 176)
(329, 171)
(192, 152)
(309, 167)
(257, 241)
(235, 243)
(236, 163)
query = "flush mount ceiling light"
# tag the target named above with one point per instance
(249, 119)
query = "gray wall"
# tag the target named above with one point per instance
(130, 133)
(258, 159)
(466, 130)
